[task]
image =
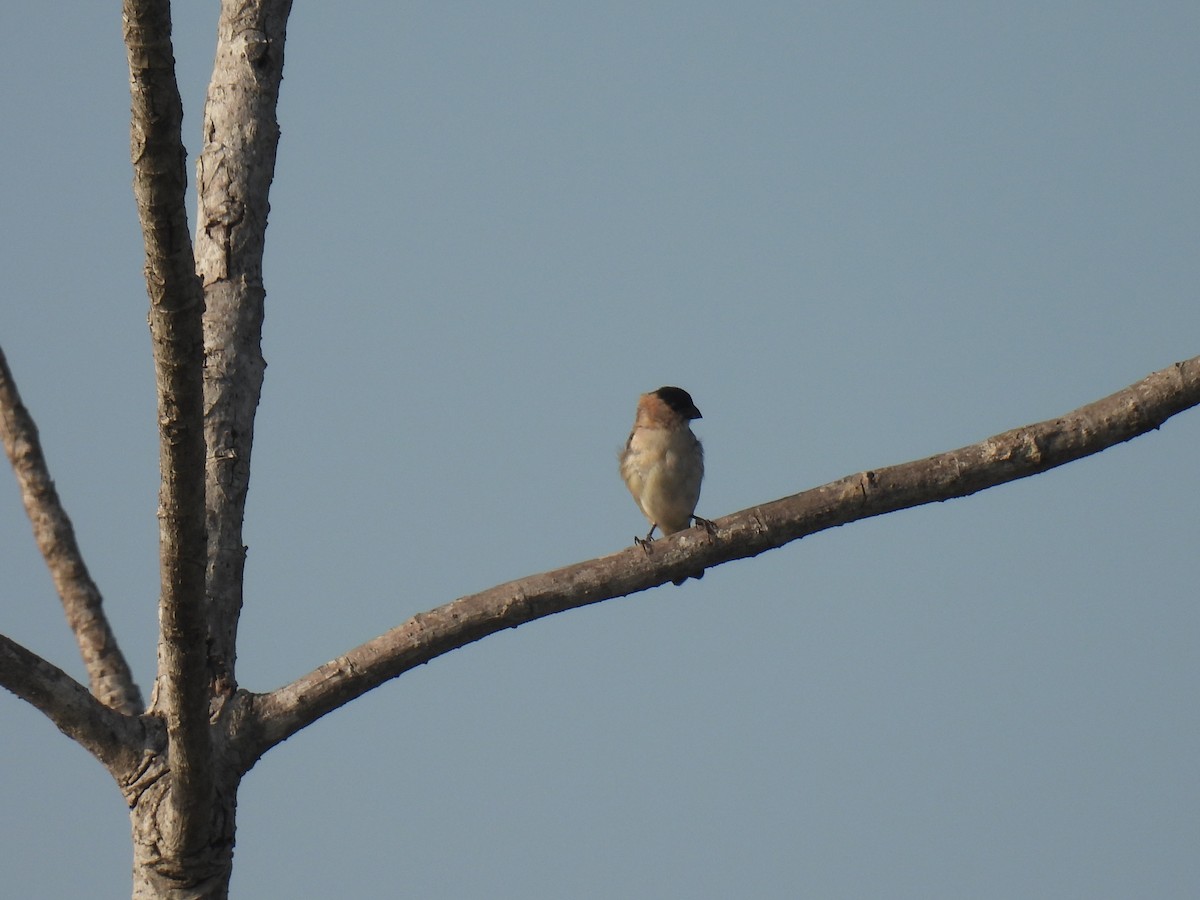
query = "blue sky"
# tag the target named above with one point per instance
(858, 234)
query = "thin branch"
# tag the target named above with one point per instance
(233, 180)
(108, 672)
(1142, 407)
(111, 736)
(176, 306)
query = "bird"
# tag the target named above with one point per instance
(663, 463)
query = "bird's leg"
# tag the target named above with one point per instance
(644, 543)
(708, 526)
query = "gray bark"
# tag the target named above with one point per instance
(234, 173)
(159, 184)
(108, 672)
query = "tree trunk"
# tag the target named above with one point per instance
(159, 874)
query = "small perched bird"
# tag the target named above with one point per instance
(663, 462)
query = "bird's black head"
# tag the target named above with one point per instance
(679, 400)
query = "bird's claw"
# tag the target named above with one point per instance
(706, 524)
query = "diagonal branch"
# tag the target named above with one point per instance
(1005, 457)
(233, 180)
(176, 305)
(111, 736)
(108, 672)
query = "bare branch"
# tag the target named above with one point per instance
(234, 176)
(108, 672)
(176, 305)
(1014, 454)
(111, 736)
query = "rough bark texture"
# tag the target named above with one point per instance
(159, 872)
(181, 826)
(183, 797)
(109, 735)
(234, 174)
(108, 672)
(1144, 406)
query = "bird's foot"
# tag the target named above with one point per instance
(644, 543)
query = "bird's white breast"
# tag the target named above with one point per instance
(663, 468)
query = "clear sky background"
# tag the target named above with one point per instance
(858, 234)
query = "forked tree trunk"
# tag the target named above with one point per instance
(182, 809)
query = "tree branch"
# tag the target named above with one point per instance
(241, 134)
(108, 672)
(176, 305)
(111, 736)
(275, 716)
